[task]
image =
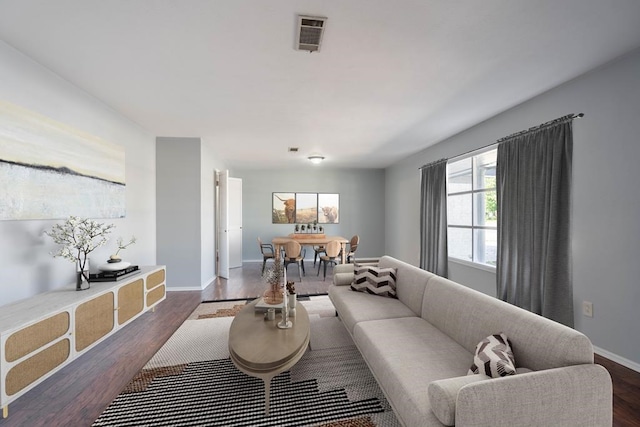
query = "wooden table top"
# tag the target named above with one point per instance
(260, 346)
(311, 240)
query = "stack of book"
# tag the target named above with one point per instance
(112, 276)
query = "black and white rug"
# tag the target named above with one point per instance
(192, 382)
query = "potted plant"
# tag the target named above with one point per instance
(297, 229)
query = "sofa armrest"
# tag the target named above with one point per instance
(576, 395)
(343, 274)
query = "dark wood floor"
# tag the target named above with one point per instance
(77, 395)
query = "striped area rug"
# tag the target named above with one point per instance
(183, 385)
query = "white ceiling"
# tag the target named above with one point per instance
(392, 77)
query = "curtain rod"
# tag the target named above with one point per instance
(567, 117)
(543, 125)
(433, 163)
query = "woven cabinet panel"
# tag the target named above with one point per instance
(94, 320)
(155, 295)
(31, 338)
(29, 370)
(130, 300)
(154, 279)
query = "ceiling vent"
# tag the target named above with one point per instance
(310, 30)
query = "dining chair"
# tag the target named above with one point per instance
(267, 252)
(319, 250)
(332, 252)
(351, 251)
(294, 254)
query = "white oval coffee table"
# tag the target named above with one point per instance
(260, 349)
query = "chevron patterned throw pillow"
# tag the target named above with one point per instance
(494, 357)
(375, 280)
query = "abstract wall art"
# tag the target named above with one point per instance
(49, 170)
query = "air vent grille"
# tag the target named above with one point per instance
(310, 31)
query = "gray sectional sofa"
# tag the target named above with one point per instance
(421, 345)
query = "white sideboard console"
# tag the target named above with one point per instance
(40, 335)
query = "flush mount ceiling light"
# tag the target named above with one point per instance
(315, 159)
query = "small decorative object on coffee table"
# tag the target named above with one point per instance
(273, 275)
(285, 323)
(291, 300)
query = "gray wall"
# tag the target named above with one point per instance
(26, 266)
(606, 200)
(362, 202)
(186, 211)
(178, 199)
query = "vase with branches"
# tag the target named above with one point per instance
(273, 275)
(79, 237)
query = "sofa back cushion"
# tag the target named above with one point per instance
(468, 316)
(410, 282)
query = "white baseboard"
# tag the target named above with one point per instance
(618, 359)
(178, 289)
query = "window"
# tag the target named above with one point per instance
(472, 208)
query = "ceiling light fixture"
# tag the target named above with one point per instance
(315, 159)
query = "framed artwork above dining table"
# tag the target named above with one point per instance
(305, 208)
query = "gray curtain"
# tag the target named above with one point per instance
(433, 218)
(533, 177)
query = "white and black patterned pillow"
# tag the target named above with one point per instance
(375, 280)
(494, 357)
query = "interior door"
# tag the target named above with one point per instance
(235, 222)
(223, 224)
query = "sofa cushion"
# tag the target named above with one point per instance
(375, 280)
(493, 357)
(468, 316)
(443, 395)
(405, 355)
(354, 307)
(410, 282)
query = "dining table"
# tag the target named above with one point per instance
(309, 239)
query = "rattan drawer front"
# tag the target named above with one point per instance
(38, 365)
(130, 301)
(155, 279)
(155, 295)
(94, 320)
(31, 338)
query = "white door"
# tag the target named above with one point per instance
(223, 224)
(235, 222)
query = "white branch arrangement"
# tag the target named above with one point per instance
(122, 246)
(79, 237)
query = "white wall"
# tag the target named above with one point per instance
(606, 200)
(362, 202)
(26, 267)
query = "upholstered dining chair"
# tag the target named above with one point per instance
(267, 252)
(294, 254)
(332, 252)
(353, 245)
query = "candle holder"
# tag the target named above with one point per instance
(285, 323)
